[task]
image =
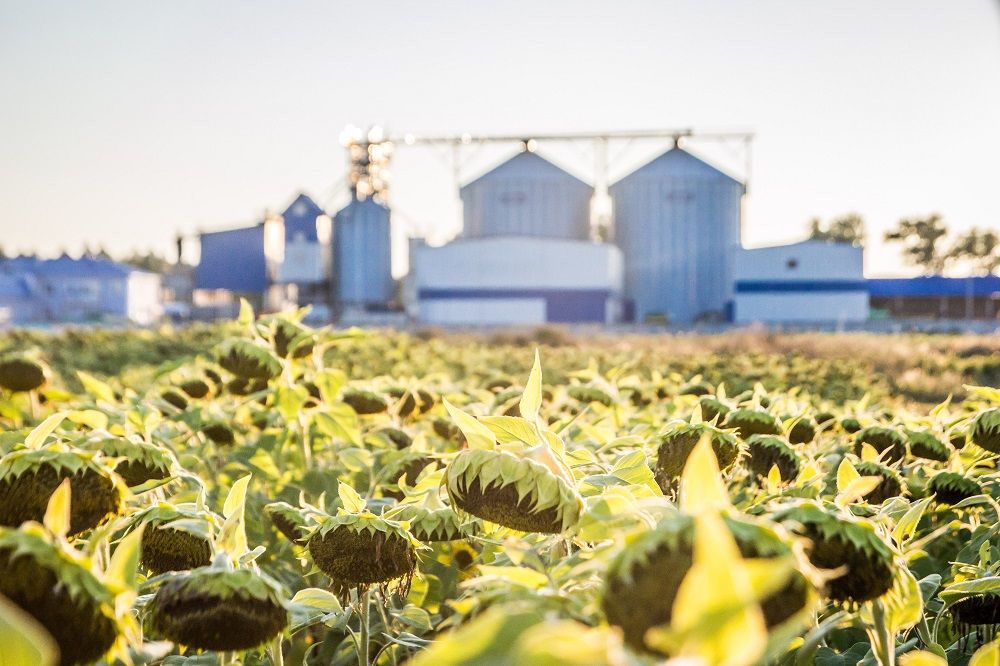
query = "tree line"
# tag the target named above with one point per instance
(925, 242)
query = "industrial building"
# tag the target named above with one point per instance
(87, 289)
(801, 283)
(363, 255)
(511, 280)
(677, 221)
(936, 297)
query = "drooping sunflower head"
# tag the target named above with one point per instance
(196, 388)
(802, 430)
(28, 477)
(843, 541)
(398, 438)
(248, 360)
(712, 408)
(749, 422)
(985, 430)
(57, 588)
(768, 450)
(241, 386)
(140, 461)
(176, 537)
(891, 485)
(220, 432)
(586, 394)
(174, 398)
(365, 402)
(213, 608)
(21, 373)
(291, 521)
(429, 525)
(923, 444)
(360, 549)
(512, 490)
(289, 338)
(675, 445)
(951, 487)
(882, 439)
(850, 424)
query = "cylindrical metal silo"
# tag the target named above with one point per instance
(677, 222)
(527, 196)
(362, 254)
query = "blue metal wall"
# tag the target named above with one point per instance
(233, 260)
(931, 286)
(300, 219)
(363, 254)
(677, 222)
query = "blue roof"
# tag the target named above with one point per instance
(66, 266)
(934, 286)
(300, 218)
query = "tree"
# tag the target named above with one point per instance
(921, 238)
(980, 247)
(849, 228)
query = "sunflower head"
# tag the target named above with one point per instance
(174, 398)
(882, 439)
(951, 487)
(985, 430)
(291, 521)
(196, 388)
(803, 430)
(21, 373)
(248, 360)
(749, 422)
(140, 461)
(241, 386)
(923, 444)
(850, 424)
(176, 537)
(512, 490)
(212, 608)
(768, 450)
(220, 432)
(54, 586)
(396, 437)
(891, 485)
(844, 541)
(428, 524)
(28, 477)
(365, 402)
(712, 408)
(674, 446)
(586, 394)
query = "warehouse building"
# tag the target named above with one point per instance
(804, 283)
(937, 297)
(677, 220)
(516, 280)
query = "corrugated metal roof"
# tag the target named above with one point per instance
(525, 164)
(677, 162)
(931, 286)
(300, 218)
(66, 266)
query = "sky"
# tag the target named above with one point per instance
(123, 123)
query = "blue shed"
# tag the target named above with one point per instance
(362, 256)
(233, 260)
(300, 219)
(678, 224)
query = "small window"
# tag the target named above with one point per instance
(792, 264)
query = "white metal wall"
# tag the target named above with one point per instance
(808, 260)
(527, 195)
(484, 312)
(677, 221)
(802, 307)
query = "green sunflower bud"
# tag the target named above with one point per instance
(216, 609)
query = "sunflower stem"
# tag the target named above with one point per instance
(277, 658)
(365, 613)
(883, 643)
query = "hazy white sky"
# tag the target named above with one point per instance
(124, 122)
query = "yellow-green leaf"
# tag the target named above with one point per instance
(531, 399)
(774, 480)
(478, 435)
(57, 512)
(988, 655)
(246, 313)
(121, 573)
(96, 387)
(846, 474)
(24, 642)
(702, 487)
(350, 499)
(869, 453)
(924, 658)
(90, 418)
(37, 437)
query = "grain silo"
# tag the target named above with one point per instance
(527, 196)
(362, 254)
(677, 222)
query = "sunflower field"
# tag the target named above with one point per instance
(268, 493)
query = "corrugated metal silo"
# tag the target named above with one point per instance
(363, 254)
(527, 196)
(677, 222)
